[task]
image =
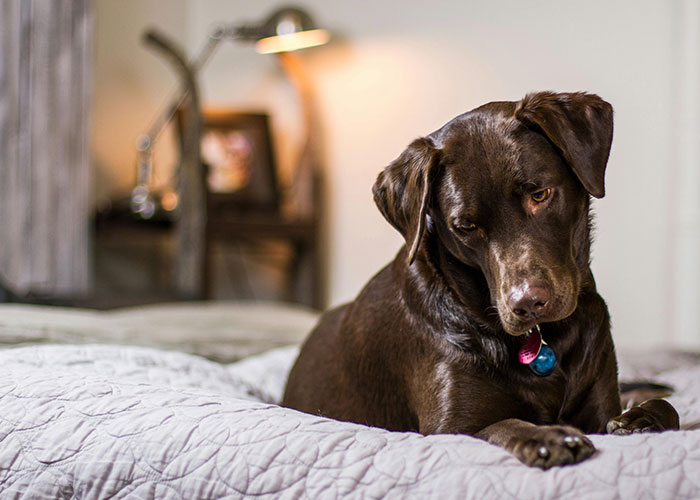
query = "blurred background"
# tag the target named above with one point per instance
(335, 115)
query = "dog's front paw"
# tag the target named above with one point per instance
(553, 445)
(655, 415)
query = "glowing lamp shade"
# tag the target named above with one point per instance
(292, 41)
(289, 29)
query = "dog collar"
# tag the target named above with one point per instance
(535, 353)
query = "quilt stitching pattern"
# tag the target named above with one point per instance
(98, 422)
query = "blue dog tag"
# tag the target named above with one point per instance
(545, 362)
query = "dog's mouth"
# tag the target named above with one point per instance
(530, 331)
(526, 330)
(517, 327)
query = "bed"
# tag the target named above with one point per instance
(179, 401)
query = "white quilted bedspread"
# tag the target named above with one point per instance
(98, 422)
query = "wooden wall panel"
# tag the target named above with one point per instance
(45, 80)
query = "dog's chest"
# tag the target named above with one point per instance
(541, 399)
(481, 394)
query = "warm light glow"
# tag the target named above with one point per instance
(292, 41)
(169, 201)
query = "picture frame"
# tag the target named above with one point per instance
(239, 161)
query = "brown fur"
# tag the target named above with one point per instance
(430, 344)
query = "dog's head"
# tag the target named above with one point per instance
(505, 190)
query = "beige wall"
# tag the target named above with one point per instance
(397, 70)
(131, 84)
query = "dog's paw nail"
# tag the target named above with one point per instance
(572, 441)
(542, 452)
(613, 426)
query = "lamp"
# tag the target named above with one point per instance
(286, 29)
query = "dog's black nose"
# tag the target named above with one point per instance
(529, 300)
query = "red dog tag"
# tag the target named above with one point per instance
(530, 345)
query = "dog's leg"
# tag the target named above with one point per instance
(542, 446)
(635, 393)
(654, 415)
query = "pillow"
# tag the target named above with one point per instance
(221, 331)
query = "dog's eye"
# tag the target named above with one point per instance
(541, 196)
(465, 227)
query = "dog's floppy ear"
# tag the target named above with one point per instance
(580, 125)
(402, 191)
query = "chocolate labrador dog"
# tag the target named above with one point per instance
(488, 322)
